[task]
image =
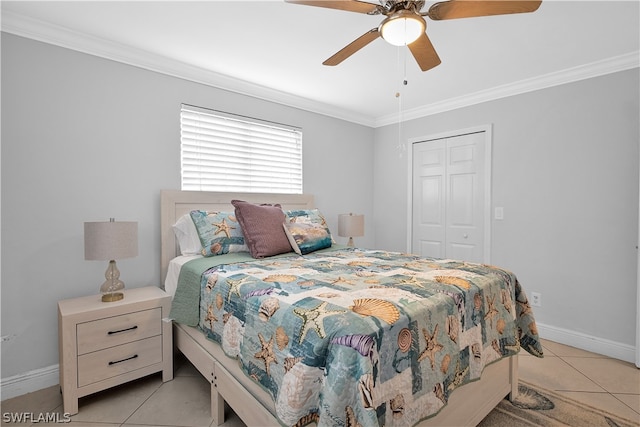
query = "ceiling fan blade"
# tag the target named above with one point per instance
(348, 5)
(454, 9)
(424, 53)
(353, 47)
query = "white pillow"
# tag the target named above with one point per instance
(187, 235)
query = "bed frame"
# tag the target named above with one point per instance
(231, 388)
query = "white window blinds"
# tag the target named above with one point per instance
(225, 152)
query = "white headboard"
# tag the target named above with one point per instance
(175, 203)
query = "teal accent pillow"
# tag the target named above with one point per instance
(310, 216)
(306, 237)
(219, 232)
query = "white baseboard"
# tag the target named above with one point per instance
(46, 377)
(28, 382)
(586, 342)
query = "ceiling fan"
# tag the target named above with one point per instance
(404, 23)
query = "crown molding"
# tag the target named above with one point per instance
(35, 29)
(594, 69)
(24, 26)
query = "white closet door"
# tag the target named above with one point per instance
(429, 199)
(448, 200)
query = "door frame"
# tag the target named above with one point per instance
(487, 129)
(638, 291)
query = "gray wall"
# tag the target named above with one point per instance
(565, 169)
(85, 139)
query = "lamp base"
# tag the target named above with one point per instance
(111, 297)
(111, 288)
(350, 242)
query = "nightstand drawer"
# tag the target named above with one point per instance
(117, 330)
(100, 365)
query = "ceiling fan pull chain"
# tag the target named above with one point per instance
(404, 53)
(402, 61)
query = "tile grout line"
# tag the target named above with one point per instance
(604, 390)
(624, 403)
(140, 406)
(595, 382)
(591, 379)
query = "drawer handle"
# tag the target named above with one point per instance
(123, 360)
(123, 330)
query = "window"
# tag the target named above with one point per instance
(226, 152)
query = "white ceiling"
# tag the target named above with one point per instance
(272, 49)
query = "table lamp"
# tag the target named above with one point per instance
(350, 225)
(108, 241)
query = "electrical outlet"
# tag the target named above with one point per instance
(536, 299)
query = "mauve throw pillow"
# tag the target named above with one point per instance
(262, 228)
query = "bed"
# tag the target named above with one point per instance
(294, 340)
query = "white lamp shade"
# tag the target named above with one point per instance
(110, 240)
(350, 225)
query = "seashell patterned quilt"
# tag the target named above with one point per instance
(363, 337)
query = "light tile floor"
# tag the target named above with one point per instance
(602, 382)
(596, 380)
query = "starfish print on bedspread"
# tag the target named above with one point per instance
(266, 353)
(313, 318)
(234, 286)
(412, 281)
(492, 312)
(524, 308)
(433, 346)
(223, 227)
(211, 317)
(340, 280)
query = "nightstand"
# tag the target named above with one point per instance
(104, 344)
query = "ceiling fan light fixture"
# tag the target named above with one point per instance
(402, 28)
